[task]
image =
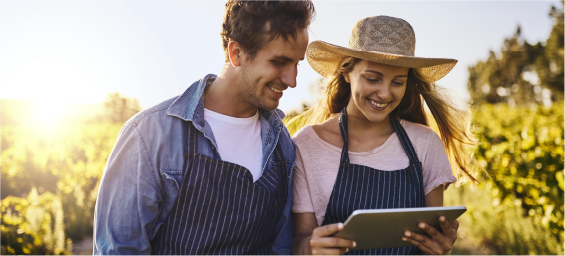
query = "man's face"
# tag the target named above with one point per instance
(272, 71)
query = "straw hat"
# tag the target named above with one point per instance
(380, 39)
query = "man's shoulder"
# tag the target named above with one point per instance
(155, 113)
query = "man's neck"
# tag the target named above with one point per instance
(221, 97)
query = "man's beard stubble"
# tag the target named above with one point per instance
(247, 93)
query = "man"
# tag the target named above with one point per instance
(209, 172)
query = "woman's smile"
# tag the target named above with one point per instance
(376, 105)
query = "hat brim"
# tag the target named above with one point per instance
(325, 59)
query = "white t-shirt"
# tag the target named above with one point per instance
(317, 164)
(238, 140)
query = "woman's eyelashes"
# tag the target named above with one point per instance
(398, 83)
(378, 79)
(372, 79)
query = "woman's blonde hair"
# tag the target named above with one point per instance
(453, 123)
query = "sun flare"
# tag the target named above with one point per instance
(50, 112)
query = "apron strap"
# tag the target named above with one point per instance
(190, 138)
(401, 133)
(343, 128)
(404, 140)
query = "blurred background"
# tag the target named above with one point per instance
(71, 73)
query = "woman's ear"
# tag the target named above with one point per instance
(234, 53)
(346, 77)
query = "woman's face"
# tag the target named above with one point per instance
(376, 89)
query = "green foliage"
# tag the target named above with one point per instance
(34, 225)
(493, 227)
(522, 74)
(502, 71)
(119, 109)
(549, 66)
(58, 170)
(522, 149)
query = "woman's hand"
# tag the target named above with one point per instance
(321, 241)
(440, 242)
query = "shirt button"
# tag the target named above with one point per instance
(213, 148)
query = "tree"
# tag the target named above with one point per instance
(522, 74)
(549, 65)
(501, 77)
(118, 109)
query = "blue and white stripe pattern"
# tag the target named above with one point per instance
(361, 187)
(220, 210)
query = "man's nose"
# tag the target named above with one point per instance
(289, 76)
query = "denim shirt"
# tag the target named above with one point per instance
(141, 179)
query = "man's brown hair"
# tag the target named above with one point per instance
(252, 24)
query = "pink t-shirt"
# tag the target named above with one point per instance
(317, 164)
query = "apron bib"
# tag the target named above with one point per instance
(361, 187)
(220, 210)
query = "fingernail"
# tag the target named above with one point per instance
(354, 244)
(346, 250)
(404, 239)
(422, 225)
(407, 234)
(340, 225)
(442, 219)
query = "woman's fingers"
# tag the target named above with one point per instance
(420, 245)
(322, 242)
(455, 225)
(327, 230)
(447, 228)
(422, 239)
(332, 242)
(434, 233)
(440, 242)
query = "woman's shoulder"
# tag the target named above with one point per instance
(423, 137)
(316, 135)
(416, 129)
(302, 134)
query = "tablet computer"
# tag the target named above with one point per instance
(384, 228)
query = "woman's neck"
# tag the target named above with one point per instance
(361, 125)
(364, 134)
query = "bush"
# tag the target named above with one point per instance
(522, 149)
(34, 225)
(50, 182)
(498, 229)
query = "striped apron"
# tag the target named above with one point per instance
(361, 187)
(220, 210)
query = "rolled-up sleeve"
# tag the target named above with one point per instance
(128, 199)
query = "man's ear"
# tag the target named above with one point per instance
(235, 53)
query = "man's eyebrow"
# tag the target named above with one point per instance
(285, 58)
(379, 73)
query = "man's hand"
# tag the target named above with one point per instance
(440, 242)
(321, 241)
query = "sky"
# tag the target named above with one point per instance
(79, 51)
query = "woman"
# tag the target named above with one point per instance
(367, 143)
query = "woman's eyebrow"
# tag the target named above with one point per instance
(381, 74)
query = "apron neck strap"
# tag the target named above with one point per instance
(404, 140)
(343, 128)
(401, 133)
(190, 138)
